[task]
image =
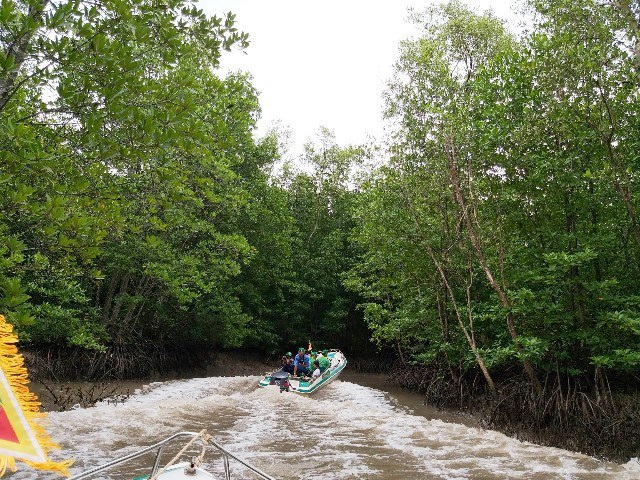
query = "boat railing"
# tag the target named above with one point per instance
(226, 455)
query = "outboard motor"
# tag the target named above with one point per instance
(284, 385)
(281, 379)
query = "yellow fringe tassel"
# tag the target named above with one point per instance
(12, 364)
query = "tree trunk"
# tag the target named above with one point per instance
(19, 48)
(474, 237)
(470, 338)
(106, 307)
(444, 331)
(125, 327)
(470, 341)
(620, 175)
(594, 231)
(400, 354)
(123, 290)
(626, 7)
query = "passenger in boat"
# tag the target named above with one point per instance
(324, 361)
(301, 362)
(287, 363)
(316, 372)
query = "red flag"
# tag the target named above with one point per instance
(21, 436)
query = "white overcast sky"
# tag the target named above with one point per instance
(325, 63)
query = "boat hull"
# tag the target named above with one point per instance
(302, 386)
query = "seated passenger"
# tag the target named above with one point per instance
(287, 363)
(301, 363)
(324, 362)
(316, 372)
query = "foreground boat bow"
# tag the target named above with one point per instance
(179, 471)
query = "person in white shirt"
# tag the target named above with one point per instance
(316, 372)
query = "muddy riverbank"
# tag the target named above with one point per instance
(569, 413)
(60, 394)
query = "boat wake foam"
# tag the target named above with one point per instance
(344, 431)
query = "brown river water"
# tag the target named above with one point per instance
(356, 427)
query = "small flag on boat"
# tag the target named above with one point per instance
(21, 436)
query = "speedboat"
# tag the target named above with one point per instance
(175, 469)
(288, 383)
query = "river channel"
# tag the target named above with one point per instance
(357, 427)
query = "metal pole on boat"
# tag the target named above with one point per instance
(156, 462)
(227, 470)
(226, 453)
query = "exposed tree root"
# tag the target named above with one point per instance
(574, 413)
(116, 363)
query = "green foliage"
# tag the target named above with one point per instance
(502, 226)
(135, 204)
(117, 180)
(299, 224)
(539, 132)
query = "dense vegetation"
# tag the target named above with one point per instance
(136, 208)
(501, 237)
(499, 232)
(504, 228)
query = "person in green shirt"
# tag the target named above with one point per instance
(323, 360)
